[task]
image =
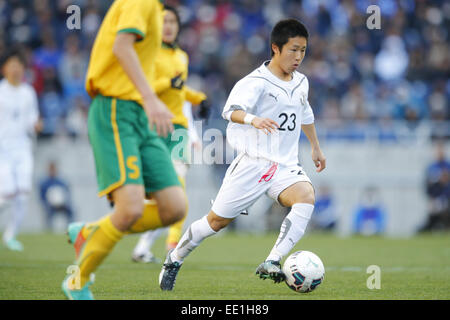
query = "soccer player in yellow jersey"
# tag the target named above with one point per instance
(125, 119)
(171, 71)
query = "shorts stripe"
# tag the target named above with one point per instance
(115, 128)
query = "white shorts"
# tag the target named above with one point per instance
(16, 168)
(247, 179)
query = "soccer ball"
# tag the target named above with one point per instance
(304, 271)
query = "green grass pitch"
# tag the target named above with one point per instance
(223, 268)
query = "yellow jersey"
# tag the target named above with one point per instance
(105, 75)
(170, 62)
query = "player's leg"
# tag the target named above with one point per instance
(178, 145)
(239, 190)
(22, 171)
(174, 234)
(7, 186)
(300, 198)
(165, 208)
(113, 139)
(18, 211)
(198, 231)
(101, 236)
(142, 250)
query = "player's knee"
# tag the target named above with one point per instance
(306, 195)
(309, 196)
(173, 212)
(178, 212)
(132, 212)
(217, 223)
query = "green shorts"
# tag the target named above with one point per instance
(126, 151)
(178, 143)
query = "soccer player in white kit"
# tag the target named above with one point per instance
(18, 122)
(266, 111)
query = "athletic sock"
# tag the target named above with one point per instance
(150, 219)
(175, 231)
(194, 235)
(291, 231)
(101, 237)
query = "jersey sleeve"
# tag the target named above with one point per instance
(134, 16)
(243, 96)
(307, 115)
(193, 96)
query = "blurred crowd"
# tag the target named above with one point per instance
(398, 72)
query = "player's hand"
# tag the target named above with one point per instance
(177, 82)
(205, 109)
(266, 124)
(159, 117)
(319, 159)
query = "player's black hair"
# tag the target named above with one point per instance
(175, 12)
(177, 16)
(15, 52)
(285, 29)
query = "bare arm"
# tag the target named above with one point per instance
(156, 111)
(268, 125)
(316, 154)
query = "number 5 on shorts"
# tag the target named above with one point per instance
(132, 164)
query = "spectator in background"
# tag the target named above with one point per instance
(438, 192)
(75, 100)
(48, 55)
(51, 104)
(55, 196)
(369, 215)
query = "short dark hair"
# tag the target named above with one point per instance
(175, 12)
(13, 52)
(285, 29)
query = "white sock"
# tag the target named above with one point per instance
(18, 209)
(292, 229)
(196, 233)
(146, 241)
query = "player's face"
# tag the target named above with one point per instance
(292, 54)
(170, 27)
(14, 70)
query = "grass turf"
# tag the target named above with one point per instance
(223, 268)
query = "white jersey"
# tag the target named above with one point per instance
(18, 115)
(263, 94)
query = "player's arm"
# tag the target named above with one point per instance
(198, 98)
(157, 112)
(243, 98)
(316, 153)
(163, 83)
(266, 124)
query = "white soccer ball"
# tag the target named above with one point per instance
(304, 271)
